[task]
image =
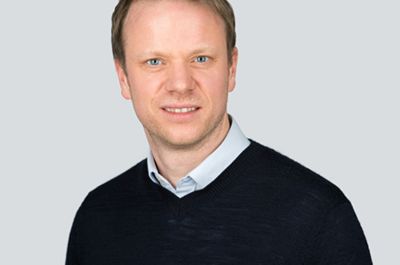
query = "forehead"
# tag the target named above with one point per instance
(165, 22)
(139, 6)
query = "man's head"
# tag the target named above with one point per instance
(221, 7)
(177, 69)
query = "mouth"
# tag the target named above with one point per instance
(180, 110)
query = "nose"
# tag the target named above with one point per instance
(180, 78)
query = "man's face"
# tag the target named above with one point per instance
(177, 71)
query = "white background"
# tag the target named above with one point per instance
(317, 81)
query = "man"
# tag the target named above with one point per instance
(206, 194)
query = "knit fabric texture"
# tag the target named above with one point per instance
(263, 209)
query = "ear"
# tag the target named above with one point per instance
(232, 69)
(123, 80)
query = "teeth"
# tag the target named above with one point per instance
(180, 110)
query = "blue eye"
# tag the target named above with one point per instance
(154, 62)
(201, 59)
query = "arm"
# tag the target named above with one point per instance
(72, 257)
(340, 240)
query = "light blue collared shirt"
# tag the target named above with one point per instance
(232, 146)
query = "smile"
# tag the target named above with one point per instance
(180, 110)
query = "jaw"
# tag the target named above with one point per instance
(184, 134)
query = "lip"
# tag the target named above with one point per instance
(180, 116)
(180, 106)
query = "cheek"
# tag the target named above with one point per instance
(144, 91)
(145, 85)
(214, 85)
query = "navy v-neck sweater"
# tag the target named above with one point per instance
(263, 209)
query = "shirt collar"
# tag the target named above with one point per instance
(207, 171)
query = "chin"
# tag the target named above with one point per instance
(182, 141)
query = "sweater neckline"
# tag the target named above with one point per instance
(237, 169)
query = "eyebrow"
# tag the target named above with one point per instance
(205, 49)
(155, 53)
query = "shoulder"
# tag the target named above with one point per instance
(293, 180)
(118, 188)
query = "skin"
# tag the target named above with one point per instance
(176, 58)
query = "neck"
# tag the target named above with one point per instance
(175, 162)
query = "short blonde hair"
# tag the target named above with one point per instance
(221, 7)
